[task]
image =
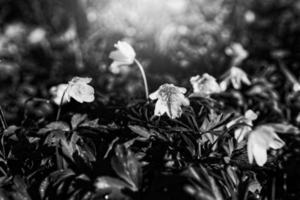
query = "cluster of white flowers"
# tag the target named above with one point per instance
(171, 98)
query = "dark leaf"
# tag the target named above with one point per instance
(77, 119)
(54, 126)
(127, 167)
(141, 131)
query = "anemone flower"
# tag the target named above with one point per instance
(169, 100)
(237, 52)
(57, 93)
(204, 85)
(236, 77)
(124, 55)
(260, 140)
(77, 88)
(241, 132)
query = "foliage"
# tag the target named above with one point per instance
(116, 147)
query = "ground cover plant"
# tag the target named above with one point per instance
(98, 102)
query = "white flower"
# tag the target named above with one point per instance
(260, 140)
(296, 87)
(15, 31)
(123, 56)
(249, 16)
(236, 77)
(57, 93)
(241, 132)
(169, 100)
(77, 88)
(238, 53)
(36, 36)
(204, 85)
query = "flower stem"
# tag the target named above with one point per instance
(144, 77)
(288, 74)
(4, 126)
(60, 105)
(2, 118)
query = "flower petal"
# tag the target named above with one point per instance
(204, 85)
(119, 57)
(170, 99)
(260, 154)
(82, 93)
(154, 95)
(182, 90)
(160, 108)
(249, 149)
(125, 48)
(276, 142)
(250, 115)
(58, 92)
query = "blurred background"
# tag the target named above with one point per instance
(44, 43)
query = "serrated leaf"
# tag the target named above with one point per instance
(77, 119)
(54, 126)
(54, 137)
(91, 123)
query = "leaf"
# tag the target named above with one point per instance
(110, 188)
(51, 183)
(54, 137)
(106, 182)
(58, 125)
(141, 131)
(10, 130)
(13, 188)
(127, 167)
(68, 148)
(231, 172)
(203, 186)
(77, 119)
(190, 145)
(86, 152)
(91, 123)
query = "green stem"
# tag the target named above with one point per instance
(60, 105)
(144, 77)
